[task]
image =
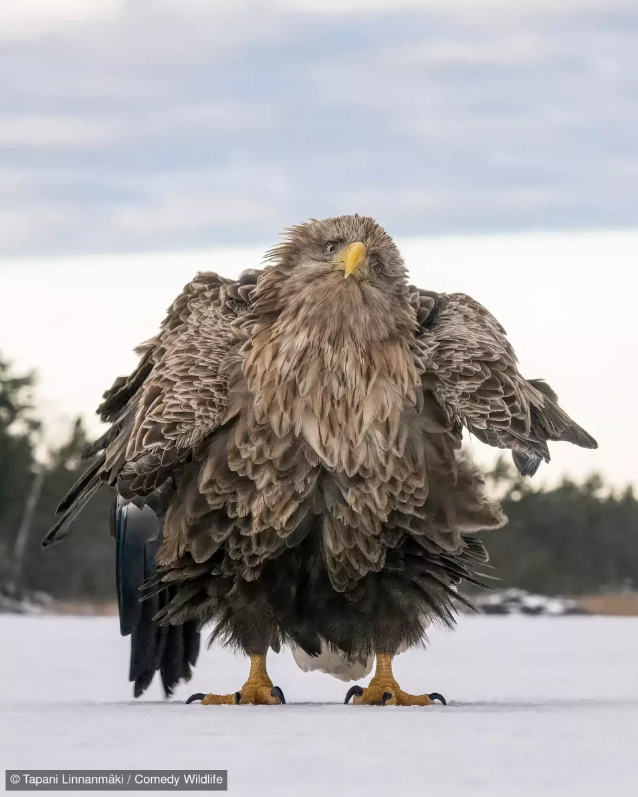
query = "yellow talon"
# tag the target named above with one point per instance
(258, 689)
(383, 689)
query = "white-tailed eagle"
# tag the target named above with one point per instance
(288, 467)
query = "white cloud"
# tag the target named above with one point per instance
(19, 224)
(27, 19)
(519, 48)
(186, 212)
(17, 180)
(55, 131)
(229, 22)
(472, 8)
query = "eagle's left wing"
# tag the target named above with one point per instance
(471, 369)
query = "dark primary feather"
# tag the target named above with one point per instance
(526, 464)
(75, 501)
(554, 422)
(125, 388)
(86, 480)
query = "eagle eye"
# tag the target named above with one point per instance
(331, 247)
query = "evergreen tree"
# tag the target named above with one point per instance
(18, 435)
(83, 568)
(570, 540)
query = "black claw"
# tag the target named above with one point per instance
(386, 696)
(437, 696)
(276, 692)
(196, 696)
(237, 698)
(354, 690)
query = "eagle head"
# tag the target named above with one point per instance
(341, 280)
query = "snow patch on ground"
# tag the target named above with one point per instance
(537, 706)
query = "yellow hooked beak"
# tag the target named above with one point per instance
(352, 258)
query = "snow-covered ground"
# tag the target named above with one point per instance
(537, 706)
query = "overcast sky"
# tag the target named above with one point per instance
(130, 125)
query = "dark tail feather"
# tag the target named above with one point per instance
(170, 649)
(147, 641)
(181, 651)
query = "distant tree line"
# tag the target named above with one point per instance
(83, 567)
(571, 539)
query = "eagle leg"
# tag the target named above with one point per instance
(383, 689)
(258, 689)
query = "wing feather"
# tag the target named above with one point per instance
(470, 367)
(175, 398)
